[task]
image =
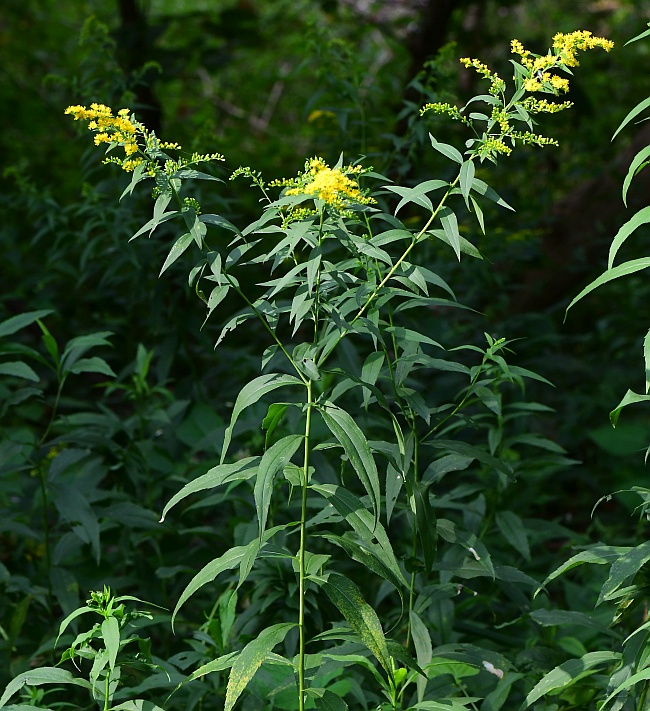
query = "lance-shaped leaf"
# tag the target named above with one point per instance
(229, 560)
(181, 244)
(426, 523)
(623, 568)
(355, 444)
(329, 701)
(354, 512)
(446, 150)
(600, 555)
(630, 398)
(469, 450)
(274, 460)
(111, 637)
(568, 673)
(362, 618)
(250, 394)
(639, 161)
(640, 218)
(642, 106)
(450, 226)
(251, 658)
(18, 369)
(467, 171)
(15, 323)
(37, 677)
(482, 188)
(423, 648)
(635, 265)
(221, 474)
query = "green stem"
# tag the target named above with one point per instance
(391, 271)
(301, 554)
(107, 689)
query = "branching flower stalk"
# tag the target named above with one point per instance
(318, 213)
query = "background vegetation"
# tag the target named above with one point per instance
(112, 425)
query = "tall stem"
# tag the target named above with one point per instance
(301, 554)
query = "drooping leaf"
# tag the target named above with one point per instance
(623, 568)
(467, 171)
(181, 244)
(362, 618)
(17, 369)
(468, 450)
(15, 323)
(624, 269)
(447, 150)
(423, 648)
(598, 554)
(482, 188)
(450, 226)
(641, 106)
(513, 530)
(251, 658)
(274, 460)
(355, 444)
(221, 474)
(250, 394)
(329, 701)
(37, 677)
(639, 160)
(568, 673)
(630, 398)
(274, 415)
(229, 560)
(425, 520)
(640, 218)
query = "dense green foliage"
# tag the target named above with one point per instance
(404, 524)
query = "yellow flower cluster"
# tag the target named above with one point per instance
(497, 85)
(118, 129)
(444, 108)
(541, 106)
(333, 186)
(565, 48)
(492, 145)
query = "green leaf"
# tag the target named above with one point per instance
(630, 398)
(74, 507)
(426, 523)
(92, 365)
(224, 662)
(137, 705)
(355, 445)
(642, 106)
(465, 246)
(362, 618)
(468, 450)
(37, 677)
(450, 226)
(181, 244)
(229, 560)
(219, 222)
(72, 616)
(17, 369)
(623, 568)
(599, 555)
(640, 218)
(111, 637)
(274, 460)
(274, 415)
(423, 648)
(467, 171)
(15, 323)
(512, 529)
(630, 681)
(635, 165)
(221, 474)
(250, 394)
(354, 512)
(447, 150)
(251, 658)
(370, 556)
(482, 188)
(329, 701)
(565, 618)
(621, 270)
(568, 673)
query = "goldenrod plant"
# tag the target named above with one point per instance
(358, 435)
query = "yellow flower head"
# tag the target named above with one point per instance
(118, 129)
(336, 187)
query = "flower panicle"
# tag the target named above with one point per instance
(337, 188)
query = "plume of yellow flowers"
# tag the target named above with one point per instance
(120, 129)
(564, 55)
(533, 74)
(338, 188)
